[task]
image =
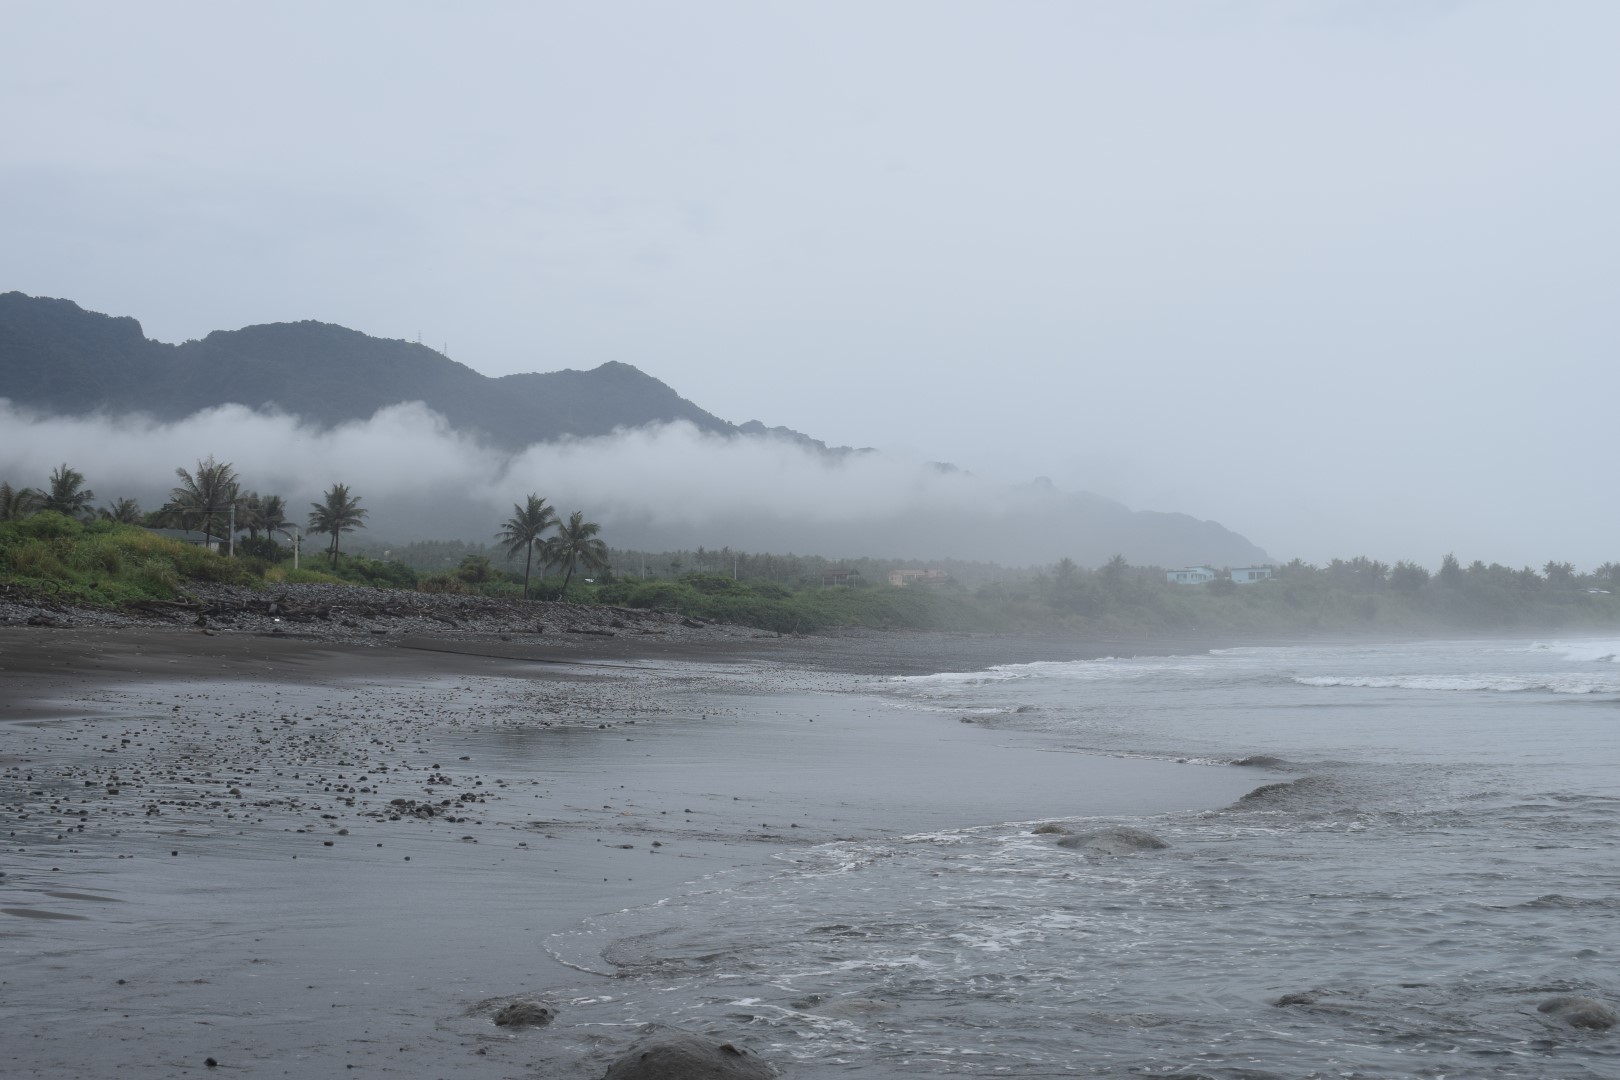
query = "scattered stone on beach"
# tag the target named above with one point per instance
(525, 1014)
(364, 615)
(687, 1057)
(1580, 1012)
(1114, 840)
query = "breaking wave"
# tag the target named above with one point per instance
(1570, 683)
(1582, 652)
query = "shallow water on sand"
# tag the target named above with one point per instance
(296, 876)
(1439, 857)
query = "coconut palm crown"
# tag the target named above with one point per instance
(68, 495)
(575, 545)
(522, 531)
(125, 511)
(203, 499)
(18, 502)
(339, 512)
(264, 513)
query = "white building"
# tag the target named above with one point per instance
(1192, 575)
(903, 578)
(1248, 575)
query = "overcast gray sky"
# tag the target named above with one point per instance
(1341, 276)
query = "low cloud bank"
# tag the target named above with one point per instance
(659, 487)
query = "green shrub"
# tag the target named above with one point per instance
(305, 576)
(713, 584)
(660, 596)
(155, 576)
(47, 525)
(34, 558)
(254, 565)
(383, 575)
(443, 583)
(262, 547)
(616, 593)
(477, 569)
(99, 554)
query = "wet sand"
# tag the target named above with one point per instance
(299, 858)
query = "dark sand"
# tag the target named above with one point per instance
(202, 856)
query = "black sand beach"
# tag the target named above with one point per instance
(298, 857)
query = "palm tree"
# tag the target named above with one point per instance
(247, 513)
(576, 544)
(339, 513)
(203, 500)
(476, 569)
(523, 529)
(68, 495)
(18, 502)
(264, 512)
(124, 511)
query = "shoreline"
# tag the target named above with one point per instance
(376, 618)
(213, 819)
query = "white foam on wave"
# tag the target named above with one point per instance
(1590, 651)
(956, 681)
(1102, 668)
(1568, 683)
(952, 710)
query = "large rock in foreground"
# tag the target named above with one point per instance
(1580, 1012)
(525, 1014)
(687, 1057)
(1115, 840)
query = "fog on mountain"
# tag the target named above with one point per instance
(441, 450)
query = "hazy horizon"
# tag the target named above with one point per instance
(1335, 276)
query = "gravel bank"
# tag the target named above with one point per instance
(359, 615)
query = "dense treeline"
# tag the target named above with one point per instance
(791, 570)
(54, 539)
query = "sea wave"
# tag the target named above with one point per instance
(951, 679)
(1562, 683)
(1592, 651)
(1103, 667)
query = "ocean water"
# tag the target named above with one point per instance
(1441, 855)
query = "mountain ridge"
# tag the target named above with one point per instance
(56, 356)
(59, 359)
